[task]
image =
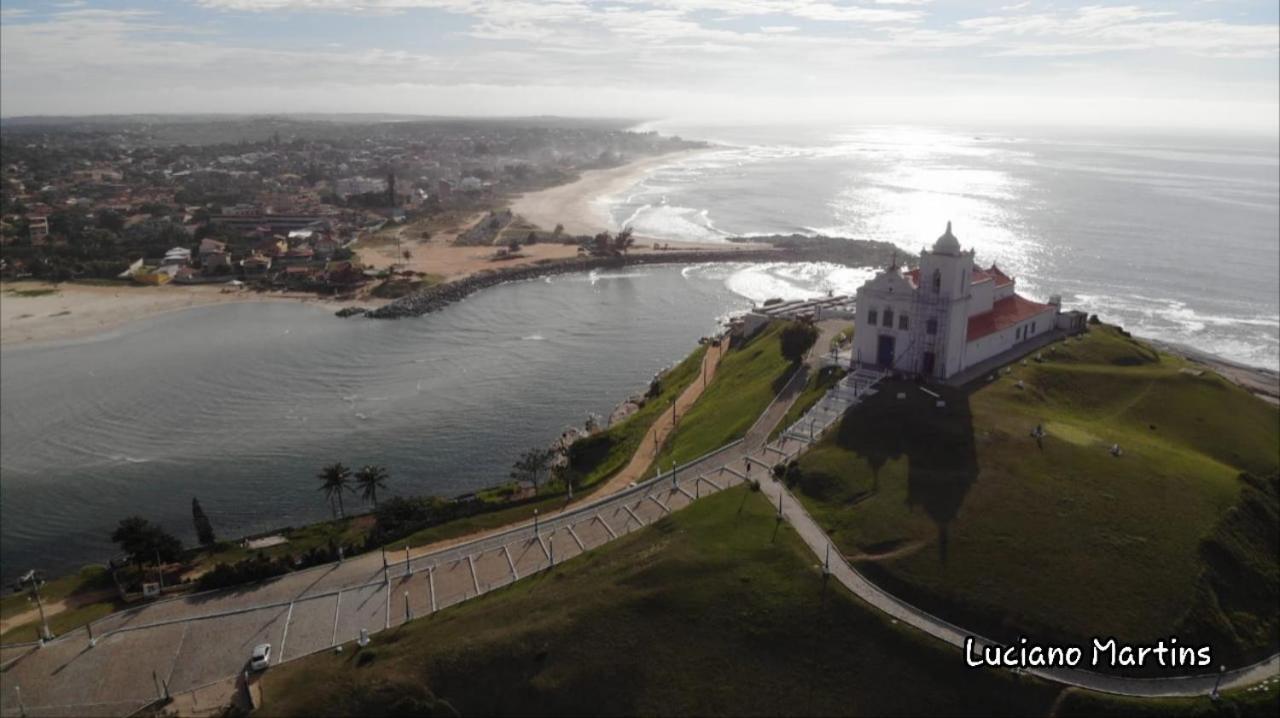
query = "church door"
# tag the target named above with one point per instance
(884, 351)
(926, 364)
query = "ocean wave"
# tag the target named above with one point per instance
(596, 275)
(1244, 337)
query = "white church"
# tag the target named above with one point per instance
(947, 315)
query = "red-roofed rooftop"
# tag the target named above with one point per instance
(1004, 314)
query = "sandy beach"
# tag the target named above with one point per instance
(577, 205)
(38, 312)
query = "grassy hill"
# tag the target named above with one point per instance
(748, 378)
(962, 511)
(713, 610)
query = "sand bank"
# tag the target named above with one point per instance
(38, 312)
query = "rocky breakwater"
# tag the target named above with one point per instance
(441, 295)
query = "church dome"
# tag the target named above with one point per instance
(947, 243)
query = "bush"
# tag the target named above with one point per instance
(796, 340)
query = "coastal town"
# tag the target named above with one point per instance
(278, 203)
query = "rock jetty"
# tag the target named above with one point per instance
(441, 295)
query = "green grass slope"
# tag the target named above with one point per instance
(601, 455)
(713, 610)
(960, 510)
(1261, 701)
(746, 381)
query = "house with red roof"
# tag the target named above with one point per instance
(945, 316)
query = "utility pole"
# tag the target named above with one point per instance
(159, 569)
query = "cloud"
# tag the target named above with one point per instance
(816, 54)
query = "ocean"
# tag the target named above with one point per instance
(1174, 237)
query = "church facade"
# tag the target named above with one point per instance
(945, 316)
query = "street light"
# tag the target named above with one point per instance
(1214, 695)
(35, 579)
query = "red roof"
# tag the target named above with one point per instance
(1001, 278)
(1004, 314)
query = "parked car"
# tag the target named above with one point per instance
(261, 657)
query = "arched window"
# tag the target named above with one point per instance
(903, 323)
(937, 281)
(888, 317)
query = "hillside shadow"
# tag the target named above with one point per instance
(942, 461)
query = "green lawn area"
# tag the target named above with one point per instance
(90, 580)
(814, 389)
(487, 521)
(350, 530)
(746, 381)
(713, 610)
(958, 509)
(1262, 701)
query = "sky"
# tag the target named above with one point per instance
(1170, 64)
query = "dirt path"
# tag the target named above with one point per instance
(664, 424)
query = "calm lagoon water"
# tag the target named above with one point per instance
(240, 405)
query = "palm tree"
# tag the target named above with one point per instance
(370, 479)
(334, 480)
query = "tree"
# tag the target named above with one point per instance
(797, 338)
(110, 219)
(370, 479)
(623, 241)
(531, 465)
(559, 230)
(204, 529)
(333, 482)
(603, 243)
(146, 542)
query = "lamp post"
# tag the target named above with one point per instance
(1214, 695)
(535, 522)
(34, 579)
